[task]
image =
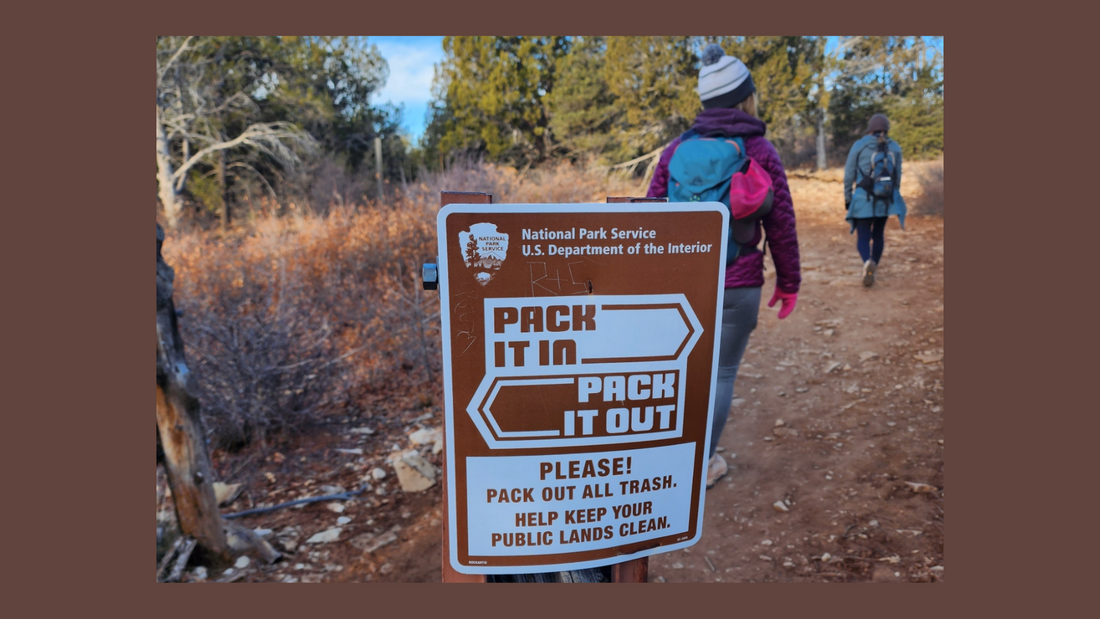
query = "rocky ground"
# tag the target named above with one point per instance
(835, 444)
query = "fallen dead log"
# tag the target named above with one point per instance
(166, 560)
(179, 426)
(177, 557)
(181, 442)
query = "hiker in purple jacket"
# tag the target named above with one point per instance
(726, 90)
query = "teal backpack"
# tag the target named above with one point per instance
(881, 180)
(701, 170)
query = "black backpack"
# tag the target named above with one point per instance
(882, 179)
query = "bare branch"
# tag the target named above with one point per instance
(844, 43)
(636, 161)
(238, 101)
(173, 59)
(267, 138)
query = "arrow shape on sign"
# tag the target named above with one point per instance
(667, 330)
(537, 349)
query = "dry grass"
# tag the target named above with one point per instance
(286, 318)
(563, 183)
(928, 198)
(821, 194)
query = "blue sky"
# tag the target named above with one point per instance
(411, 60)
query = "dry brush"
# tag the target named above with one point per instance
(289, 317)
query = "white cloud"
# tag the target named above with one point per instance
(411, 61)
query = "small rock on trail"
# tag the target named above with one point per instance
(325, 537)
(413, 472)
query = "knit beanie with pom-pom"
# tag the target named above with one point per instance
(724, 81)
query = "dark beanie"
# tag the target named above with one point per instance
(879, 122)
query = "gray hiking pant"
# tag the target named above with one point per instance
(740, 308)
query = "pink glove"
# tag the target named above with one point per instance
(789, 300)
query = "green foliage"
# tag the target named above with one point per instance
(520, 99)
(205, 190)
(322, 85)
(916, 124)
(783, 70)
(615, 98)
(901, 77)
(531, 100)
(586, 117)
(494, 91)
(653, 81)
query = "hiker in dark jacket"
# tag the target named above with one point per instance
(726, 90)
(867, 214)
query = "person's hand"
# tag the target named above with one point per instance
(789, 300)
(847, 204)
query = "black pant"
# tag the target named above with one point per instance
(869, 237)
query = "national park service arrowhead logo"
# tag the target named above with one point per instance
(483, 250)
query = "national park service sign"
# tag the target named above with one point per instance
(580, 347)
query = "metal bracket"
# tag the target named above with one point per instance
(430, 274)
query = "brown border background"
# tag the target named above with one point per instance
(75, 311)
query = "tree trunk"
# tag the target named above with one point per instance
(378, 166)
(190, 474)
(224, 189)
(821, 159)
(165, 189)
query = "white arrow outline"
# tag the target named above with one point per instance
(497, 438)
(524, 382)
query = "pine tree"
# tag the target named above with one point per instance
(525, 100)
(899, 76)
(494, 91)
(653, 80)
(585, 116)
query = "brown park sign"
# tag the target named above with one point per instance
(580, 346)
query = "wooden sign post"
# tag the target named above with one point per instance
(580, 347)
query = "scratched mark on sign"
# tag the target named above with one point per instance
(465, 324)
(543, 284)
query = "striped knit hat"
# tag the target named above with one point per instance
(724, 81)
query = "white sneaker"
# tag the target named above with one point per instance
(716, 469)
(869, 273)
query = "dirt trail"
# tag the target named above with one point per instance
(854, 374)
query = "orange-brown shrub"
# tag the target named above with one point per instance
(564, 183)
(929, 199)
(287, 317)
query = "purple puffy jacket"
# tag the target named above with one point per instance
(748, 270)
